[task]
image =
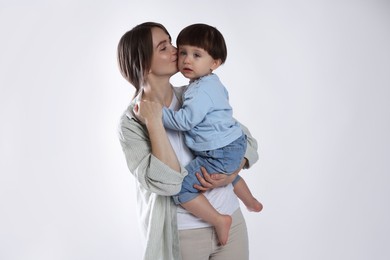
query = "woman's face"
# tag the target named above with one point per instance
(164, 61)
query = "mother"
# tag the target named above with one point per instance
(155, 156)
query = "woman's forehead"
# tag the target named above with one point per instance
(159, 36)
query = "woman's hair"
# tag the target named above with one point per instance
(206, 37)
(135, 52)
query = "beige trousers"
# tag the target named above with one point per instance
(202, 243)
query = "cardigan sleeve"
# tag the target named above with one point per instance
(251, 153)
(149, 171)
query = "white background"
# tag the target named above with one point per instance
(311, 79)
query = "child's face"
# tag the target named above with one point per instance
(194, 62)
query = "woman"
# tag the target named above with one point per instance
(155, 156)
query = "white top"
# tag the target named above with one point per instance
(223, 199)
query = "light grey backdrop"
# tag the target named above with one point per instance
(309, 78)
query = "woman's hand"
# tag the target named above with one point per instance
(148, 111)
(210, 181)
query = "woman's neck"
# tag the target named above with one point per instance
(161, 92)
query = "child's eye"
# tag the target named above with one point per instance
(197, 55)
(182, 53)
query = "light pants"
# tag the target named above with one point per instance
(202, 243)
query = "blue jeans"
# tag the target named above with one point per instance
(222, 160)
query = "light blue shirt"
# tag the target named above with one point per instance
(206, 116)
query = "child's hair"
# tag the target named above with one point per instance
(206, 37)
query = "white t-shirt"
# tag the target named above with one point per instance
(223, 199)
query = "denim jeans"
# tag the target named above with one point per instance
(223, 160)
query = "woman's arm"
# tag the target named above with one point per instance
(214, 180)
(251, 154)
(150, 113)
(149, 159)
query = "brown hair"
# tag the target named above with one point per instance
(206, 37)
(135, 52)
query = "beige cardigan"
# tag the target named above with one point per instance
(156, 182)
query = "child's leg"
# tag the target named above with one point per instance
(201, 207)
(244, 194)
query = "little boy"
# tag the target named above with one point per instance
(210, 131)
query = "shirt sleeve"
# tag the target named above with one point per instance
(196, 106)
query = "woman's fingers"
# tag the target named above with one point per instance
(204, 181)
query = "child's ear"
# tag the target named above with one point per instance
(216, 64)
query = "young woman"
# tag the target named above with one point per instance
(156, 157)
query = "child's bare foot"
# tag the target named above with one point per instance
(255, 206)
(222, 227)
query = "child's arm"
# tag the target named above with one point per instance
(195, 108)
